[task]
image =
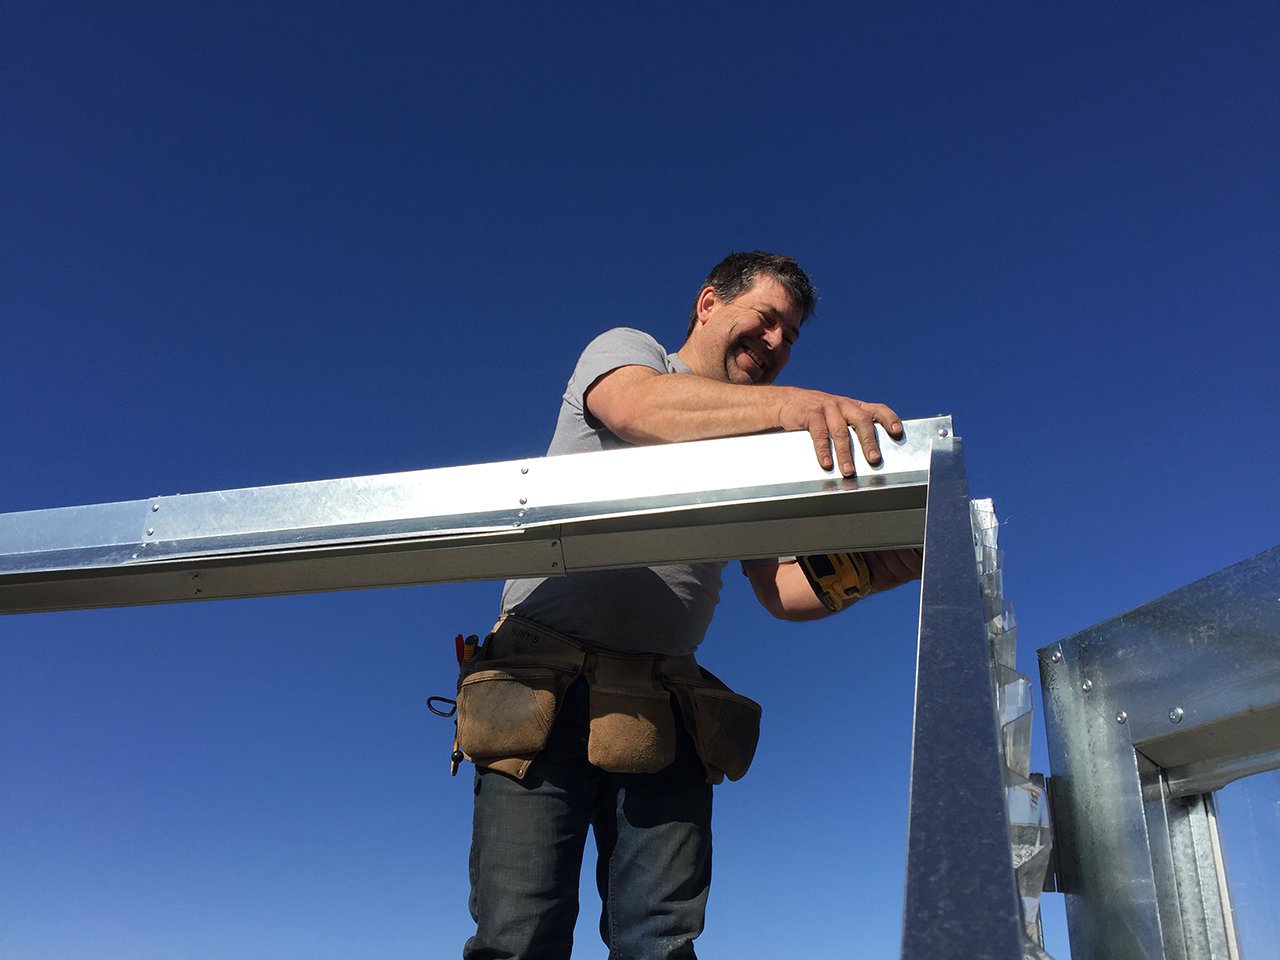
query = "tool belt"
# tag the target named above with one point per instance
(509, 694)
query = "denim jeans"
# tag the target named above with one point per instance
(653, 835)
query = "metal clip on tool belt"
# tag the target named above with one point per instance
(508, 701)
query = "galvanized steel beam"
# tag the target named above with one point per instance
(711, 500)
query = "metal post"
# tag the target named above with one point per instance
(961, 894)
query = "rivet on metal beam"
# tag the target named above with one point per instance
(1175, 715)
(1121, 717)
(155, 507)
(523, 501)
(150, 531)
(942, 432)
(1056, 656)
(524, 469)
(1087, 686)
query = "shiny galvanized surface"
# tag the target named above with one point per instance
(1174, 697)
(961, 894)
(710, 500)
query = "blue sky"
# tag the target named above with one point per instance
(244, 244)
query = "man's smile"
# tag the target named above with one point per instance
(758, 359)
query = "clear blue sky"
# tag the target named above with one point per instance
(246, 243)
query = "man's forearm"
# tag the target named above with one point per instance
(676, 407)
(641, 405)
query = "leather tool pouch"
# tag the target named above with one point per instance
(506, 711)
(507, 704)
(725, 726)
(633, 729)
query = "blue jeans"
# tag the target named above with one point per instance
(653, 835)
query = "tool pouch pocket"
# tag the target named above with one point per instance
(725, 725)
(633, 729)
(506, 711)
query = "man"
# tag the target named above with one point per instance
(649, 800)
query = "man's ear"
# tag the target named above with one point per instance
(706, 300)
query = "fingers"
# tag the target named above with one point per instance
(838, 427)
(821, 437)
(864, 418)
(893, 568)
(828, 418)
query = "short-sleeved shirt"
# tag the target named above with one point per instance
(664, 609)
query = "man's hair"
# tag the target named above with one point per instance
(738, 271)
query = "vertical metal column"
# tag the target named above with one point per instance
(961, 894)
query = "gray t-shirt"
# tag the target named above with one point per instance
(664, 609)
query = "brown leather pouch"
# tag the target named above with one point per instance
(725, 725)
(506, 712)
(633, 729)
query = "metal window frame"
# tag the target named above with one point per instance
(1146, 715)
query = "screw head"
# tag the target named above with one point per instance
(1056, 656)
(523, 501)
(155, 507)
(1087, 686)
(1121, 717)
(1176, 715)
(942, 432)
(524, 469)
(150, 531)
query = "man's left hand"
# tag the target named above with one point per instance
(893, 568)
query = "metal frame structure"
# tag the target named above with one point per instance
(709, 500)
(1146, 715)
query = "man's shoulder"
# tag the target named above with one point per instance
(627, 336)
(623, 346)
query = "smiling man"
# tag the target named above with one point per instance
(585, 708)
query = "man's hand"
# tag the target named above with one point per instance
(827, 417)
(893, 568)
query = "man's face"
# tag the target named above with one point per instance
(747, 340)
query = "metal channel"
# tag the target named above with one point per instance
(1145, 714)
(961, 893)
(722, 499)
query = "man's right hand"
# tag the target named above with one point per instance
(828, 417)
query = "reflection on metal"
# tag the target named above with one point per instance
(710, 500)
(1249, 820)
(1029, 835)
(1195, 676)
(962, 897)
